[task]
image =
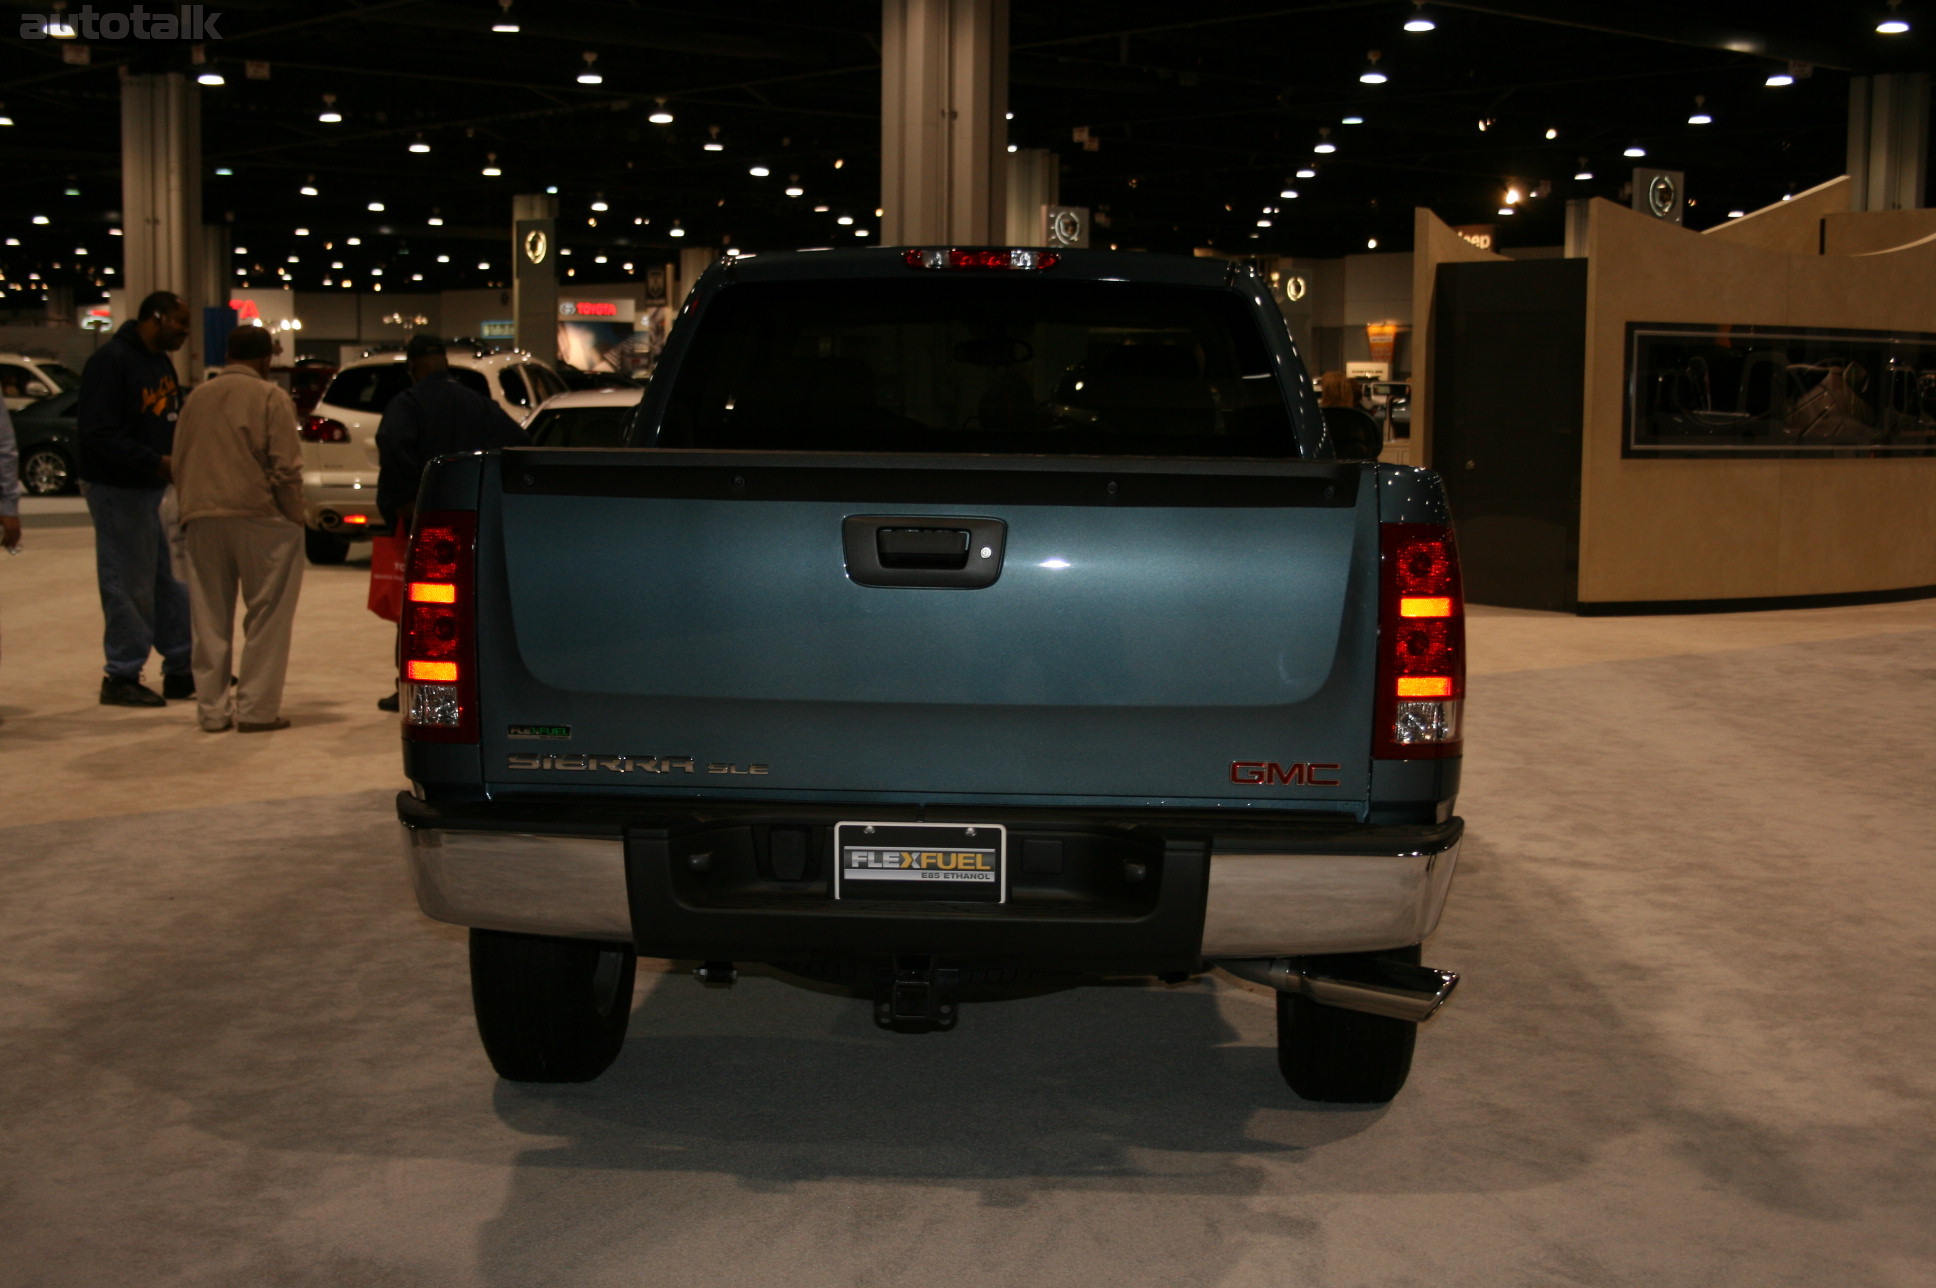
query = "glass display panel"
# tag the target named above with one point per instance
(1778, 391)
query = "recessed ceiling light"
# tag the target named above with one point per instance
(307, 190)
(1552, 133)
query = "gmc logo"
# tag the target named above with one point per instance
(1268, 773)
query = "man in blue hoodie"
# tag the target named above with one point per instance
(126, 425)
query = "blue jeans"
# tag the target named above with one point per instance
(145, 607)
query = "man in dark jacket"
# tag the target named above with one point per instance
(125, 421)
(434, 417)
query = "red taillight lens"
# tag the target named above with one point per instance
(1013, 258)
(1421, 644)
(321, 429)
(439, 680)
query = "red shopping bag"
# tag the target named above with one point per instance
(386, 576)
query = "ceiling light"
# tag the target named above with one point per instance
(660, 116)
(329, 115)
(821, 210)
(1552, 133)
(860, 232)
(1420, 20)
(1307, 173)
(307, 190)
(552, 190)
(418, 145)
(1507, 210)
(1737, 214)
(598, 259)
(1353, 119)
(713, 145)
(1014, 147)
(376, 206)
(599, 204)
(42, 219)
(1893, 25)
(1583, 173)
(435, 221)
(210, 78)
(1324, 143)
(1289, 194)
(224, 171)
(1700, 116)
(590, 76)
(353, 241)
(416, 277)
(793, 188)
(1371, 243)
(1484, 121)
(504, 29)
(1263, 223)
(241, 250)
(676, 230)
(1634, 150)
(843, 221)
(5, 119)
(336, 263)
(758, 171)
(114, 232)
(485, 266)
(443, 259)
(490, 170)
(1373, 74)
(1778, 79)
(302, 232)
(1512, 196)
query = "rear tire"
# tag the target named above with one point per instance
(46, 471)
(1344, 1057)
(325, 547)
(550, 1010)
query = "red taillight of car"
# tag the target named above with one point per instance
(438, 685)
(321, 429)
(1025, 260)
(1421, 643)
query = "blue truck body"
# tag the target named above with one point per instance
(1150, 662)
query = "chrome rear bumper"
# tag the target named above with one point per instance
(1260, 905)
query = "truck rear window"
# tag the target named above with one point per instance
(950, 365)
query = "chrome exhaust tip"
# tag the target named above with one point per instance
(1374, 985)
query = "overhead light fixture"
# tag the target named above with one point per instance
(114, 232)
(5, 119)
(860, 232)
(1893, 25)
(505, 26)
(309, 187)
(435, 221)
(676, 230)
(1737, 214)
(552, 190)
(1634, 150)
(443, 259)
(1420, 20)
(224, 171)
(1263, 223)
(491, 170)
(758, 170)
(1373, 74)
(660, 116)
(1700, 116)
(210, 78)
(793, 188)
(1484, 122)
(1552, 133)
(418, 144)
(712, 143)
(1513, 196)
(1583, 173)
(353, 241)
(1324, 143)
(1307, 173)
(1371, 243)
(843, 220)
(375, 207)
(598, 203)
(1353, 119)
(329, 115)
(43, 220)
(589, 75)
(1289, 194)
(1507, 210)
(302, 232)
(1779, 79)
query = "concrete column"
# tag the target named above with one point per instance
(1888, 141)
(161, 198)
(944, 101)
(693, 261)
(1034, 182)
(534, 283)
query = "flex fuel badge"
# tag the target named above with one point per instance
(555, 733)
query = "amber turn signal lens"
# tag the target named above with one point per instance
(432, 592)
(433, 672)
(1423, 606)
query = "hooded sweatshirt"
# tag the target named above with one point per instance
(125, 417)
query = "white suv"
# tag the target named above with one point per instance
(339, 436)
(25, 379)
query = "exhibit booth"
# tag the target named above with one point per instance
(1682, 421)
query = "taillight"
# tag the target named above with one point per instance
(1026, 260)
(321, 429)
(1421, 643)
(439, 655)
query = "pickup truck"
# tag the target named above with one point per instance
(951, 619)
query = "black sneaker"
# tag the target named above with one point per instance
(391, 703)
(117, 692)
(177, 687)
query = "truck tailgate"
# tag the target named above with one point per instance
(664, 621)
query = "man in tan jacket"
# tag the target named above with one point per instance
(238, 472)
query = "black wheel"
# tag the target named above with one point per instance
(1344, 1057)
(46, 471)
(325, 547)
(550, 1010)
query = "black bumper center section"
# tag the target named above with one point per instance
(761, 890)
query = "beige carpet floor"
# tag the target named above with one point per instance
(1696, 918)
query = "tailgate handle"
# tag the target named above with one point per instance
(939, 552)
(922, 547)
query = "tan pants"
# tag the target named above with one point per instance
(263, 557)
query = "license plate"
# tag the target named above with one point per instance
(921, 861)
